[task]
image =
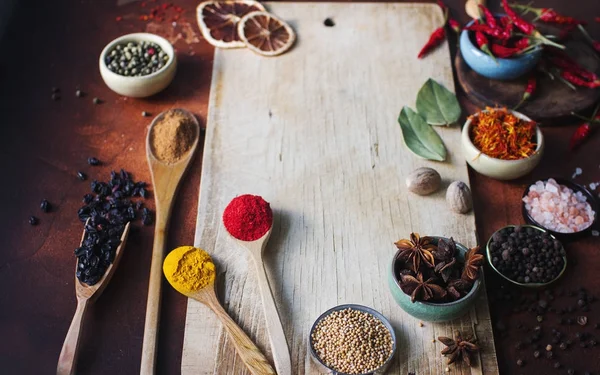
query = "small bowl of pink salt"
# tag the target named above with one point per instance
(562, 207)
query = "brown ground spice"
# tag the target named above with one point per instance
(172, 137)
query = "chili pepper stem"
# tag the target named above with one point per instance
(593, 120)
(486, 49)
(586, 35)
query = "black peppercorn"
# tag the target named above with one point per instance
(563, 345)
(96, 101)
(520, 362)
(549, 354)
(45, 205)
(571, 371)
(33, 220)
(82, 176)
(93, 161)
(582, 320)
(556, 365)
(536, 354)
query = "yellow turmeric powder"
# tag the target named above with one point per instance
(189, 269)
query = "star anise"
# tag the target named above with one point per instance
(445, 250)
(457, 288)
(415, 250)
(459, 349)
(473, 261)
(422, 290)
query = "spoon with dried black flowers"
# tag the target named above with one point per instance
(86, 295)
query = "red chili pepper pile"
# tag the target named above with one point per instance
(549, 15)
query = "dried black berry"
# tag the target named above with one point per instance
(82, 176)
(563, 345)
(536, 354)
(93, 161)
(520, 362)
(582, 320)
(45, 205)
(33, 220)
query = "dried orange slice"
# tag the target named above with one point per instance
(265, 34)
(218, 21)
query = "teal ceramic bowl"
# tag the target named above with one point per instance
(433, 312)
(501, 69)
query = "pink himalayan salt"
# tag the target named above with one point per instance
(558, 208)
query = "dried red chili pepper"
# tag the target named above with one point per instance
(582, 133)
(529, 89)
(549, 15)
(489, 17)
(483, 44)
(527, 27)
(506, 23)
(563, 61)
(485, 29)
(523, 43)
(579, 81)
(436, 38)
(454, 25)
(504, 52)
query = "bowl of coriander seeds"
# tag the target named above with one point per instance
(352, 340)
(138, 65)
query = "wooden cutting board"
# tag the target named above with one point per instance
(315, 133)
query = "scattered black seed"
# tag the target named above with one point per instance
(563, 346)
(520, 362)
(138, 205)
(571, 371)
(82, 176)
(556, 365)
(583, 344)
(45, 205)
(55, 96)
(519, 345)
(536, 354)
(147, 216)
(93, 161)
(582, 320)
(328, 22)
(549, 354)
(593, 343)
(79, 93)
(581, 302)
(33, 220)
(55, 90)
(96, 101)
(146, 114)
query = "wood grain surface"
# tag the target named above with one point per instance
(314, 132)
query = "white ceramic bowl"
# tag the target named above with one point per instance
(143, 86)
(498, 168)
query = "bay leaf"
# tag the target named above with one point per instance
(437, 104)
(420, 137)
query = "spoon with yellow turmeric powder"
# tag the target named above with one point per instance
(192, 273)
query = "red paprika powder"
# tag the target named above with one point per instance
(248, 217)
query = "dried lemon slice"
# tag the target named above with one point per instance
(218, 21)
(265, 34)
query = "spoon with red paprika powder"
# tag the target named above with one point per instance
(249, 220)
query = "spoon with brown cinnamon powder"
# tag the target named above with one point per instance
(170, 145)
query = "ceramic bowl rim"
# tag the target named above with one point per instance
(573, 186)
(375, 313)
(536, 49)
(474, 289)
(488, 253)
(538, 135)
(148, 37)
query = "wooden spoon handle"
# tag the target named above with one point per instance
(248, 352)
(68, 355)
(279, 346)
(150, 341)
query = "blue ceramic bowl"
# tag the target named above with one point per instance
(433, 312)
(502, 69)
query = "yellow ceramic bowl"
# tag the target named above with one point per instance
(498, 168)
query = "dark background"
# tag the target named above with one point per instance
(43, 143)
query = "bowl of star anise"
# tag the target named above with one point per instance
(435, 279)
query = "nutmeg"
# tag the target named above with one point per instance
(423, 181)
(458, 197)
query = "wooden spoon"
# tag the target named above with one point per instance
(472, 8)
(279, 346)
(85, 294)
(165, 179)
(248, 352)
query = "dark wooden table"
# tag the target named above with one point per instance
(43, 143)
